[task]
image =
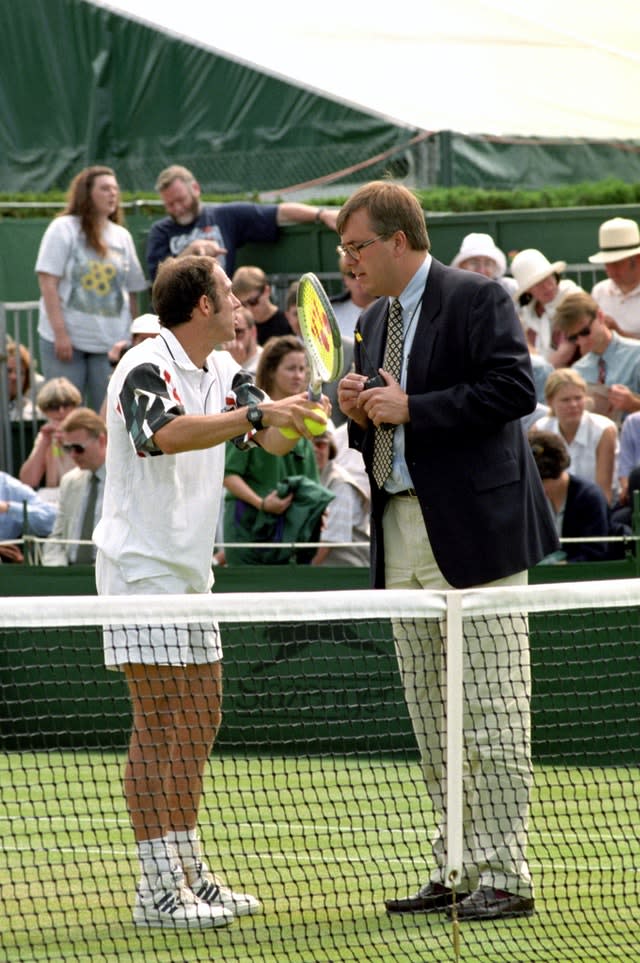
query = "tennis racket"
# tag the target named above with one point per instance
(320, 333)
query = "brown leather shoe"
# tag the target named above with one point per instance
(487, 903)
(433, 896)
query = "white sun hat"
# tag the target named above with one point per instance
(481, 245)
(530, 266)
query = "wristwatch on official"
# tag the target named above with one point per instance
(254, 417)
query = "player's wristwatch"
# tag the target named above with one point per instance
(254, 417)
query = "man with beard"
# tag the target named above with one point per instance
(228, 225)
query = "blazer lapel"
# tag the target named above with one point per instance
(427, 328)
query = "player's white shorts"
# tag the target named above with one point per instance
(168, 644)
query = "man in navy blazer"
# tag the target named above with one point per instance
(461, 504)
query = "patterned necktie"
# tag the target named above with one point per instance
(84, 554)
(383, 438)
(602, 371)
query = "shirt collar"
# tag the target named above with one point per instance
(410, 297)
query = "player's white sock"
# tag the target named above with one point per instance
(157, 857)
(186, 843)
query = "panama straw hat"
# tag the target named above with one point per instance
(618, 238)
(480, 245)
(529, 267)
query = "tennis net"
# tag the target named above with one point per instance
(314, 796)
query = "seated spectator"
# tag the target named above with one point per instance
(479, 253)
(618, 297)
(349, 305)
(47, 463)
(609, 363)
(21, 404)
(142, 327)
(291, 307)
(539, 291)
(19, 502)
(251, 287)
(84, 436)
(591, 439)
(252, 476)
(577, 504)
(244, 347)
(347, 517)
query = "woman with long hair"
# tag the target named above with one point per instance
(88, 271)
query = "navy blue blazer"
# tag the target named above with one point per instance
(469, 381)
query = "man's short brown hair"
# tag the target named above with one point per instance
(391, 208)
(573, 308)
(87, 419)
(170, 174)
(247, 279)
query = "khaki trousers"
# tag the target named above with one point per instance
(497, 773)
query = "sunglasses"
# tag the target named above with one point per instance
(59, 406)
(75, 448)
(582, 333)
(251, 302)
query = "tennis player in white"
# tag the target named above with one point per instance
(164, 471)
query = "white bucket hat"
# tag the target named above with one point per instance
(529, 267)
(618, 238)
(481, 245)
(145, 324)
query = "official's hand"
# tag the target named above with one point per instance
(388, 405)
(349, 390)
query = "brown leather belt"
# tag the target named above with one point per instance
(407, 493)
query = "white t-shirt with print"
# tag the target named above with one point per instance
(94, 291)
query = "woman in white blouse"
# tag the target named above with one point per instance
(592, 439)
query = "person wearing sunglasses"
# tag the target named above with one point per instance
(48, 462)
(84, 439)
(253, 291)
(609, 363)
(228, 226)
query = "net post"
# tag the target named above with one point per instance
(455, 666)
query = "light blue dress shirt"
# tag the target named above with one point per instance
(411, 303)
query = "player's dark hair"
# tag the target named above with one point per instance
(179, 285)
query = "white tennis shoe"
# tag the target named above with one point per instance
(171, 903)
(210, 888)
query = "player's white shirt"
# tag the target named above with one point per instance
(160, 511)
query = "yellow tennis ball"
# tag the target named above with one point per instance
(315, 427)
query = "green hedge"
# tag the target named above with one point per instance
(452, 199)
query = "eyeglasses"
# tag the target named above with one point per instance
(353, 250)
(582, 333)
(251, 302)
(75, 448)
